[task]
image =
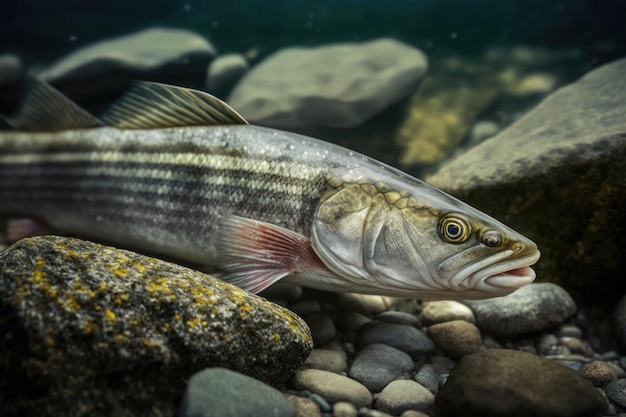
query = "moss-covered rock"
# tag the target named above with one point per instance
(87, 329)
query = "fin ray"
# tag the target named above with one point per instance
(46, 108)
(149, 105)
(255, 255)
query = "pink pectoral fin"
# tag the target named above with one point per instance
(254, 254)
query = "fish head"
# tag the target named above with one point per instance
(418, 242)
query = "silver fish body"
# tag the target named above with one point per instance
(262, 205)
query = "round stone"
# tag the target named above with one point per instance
(599, 373)
(529, 386)
(220, 392)
(344, 409)
(533, 308)
(402, 395)
(428, 377)
(399, 317)
(332, 387)
(616, 393)
(376, 365)
(322, 328)
(326, 360)
(456, 338)
(400, 336)
(303, 406)
(441, 311)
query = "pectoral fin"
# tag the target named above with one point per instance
(254, 254)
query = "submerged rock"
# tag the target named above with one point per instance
(557, 175)
(502, 382)
(338, 85)
(103, 70)
(89, 329)
(530, 309)
(224, 73)
(219, 392)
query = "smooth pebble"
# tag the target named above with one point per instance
(332, 387)
(402, 395)
(456, 338)
(441, 311)
(400, 336)
(377, 365)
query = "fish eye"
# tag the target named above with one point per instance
(492, 238)
(454, 228)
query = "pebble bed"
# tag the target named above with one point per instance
(377, 357)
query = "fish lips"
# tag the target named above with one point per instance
(512, 274)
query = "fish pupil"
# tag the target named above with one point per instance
(454, 230)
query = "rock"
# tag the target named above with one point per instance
(616, 393)
(344, 409)
(534, 84)
(322, 328)
(569, 148)
(327, 360)
(402, 395)
(304, 406)
(332, 387)
(427, 377)
(502, 382)
(351, 321)
(337, 85)
(400, 336)
(599, 373)
(86, 329)
(441, 311)
(224, 73)
(219, 392)
(456, 338)
(532, 308)
(399, 317)
(105, 69)
(376, 365)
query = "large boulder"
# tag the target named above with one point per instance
(338, 85)
(557, 175)
(99, 72)
(87, 329)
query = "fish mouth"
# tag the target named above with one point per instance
(510, 274)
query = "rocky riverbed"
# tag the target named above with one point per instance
(90, 330)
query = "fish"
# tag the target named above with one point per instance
(177, 172)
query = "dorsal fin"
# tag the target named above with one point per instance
(46, 108)
(149, 105)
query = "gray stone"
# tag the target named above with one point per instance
(616, 393)
(440, 311)
(224, 73)
(400, 336)
(403, 395)
(350, 321)
(502, 382)
(399, 317)
(106, 68)
(532, 308)
(376, 365)
(331, 360)
(338, 85)
(85, 329)
(219, 392)
(332, 387)
(569, 148)
(322, 328)
(456, 338)
(427, 377)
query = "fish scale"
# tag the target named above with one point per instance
(177, 172)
